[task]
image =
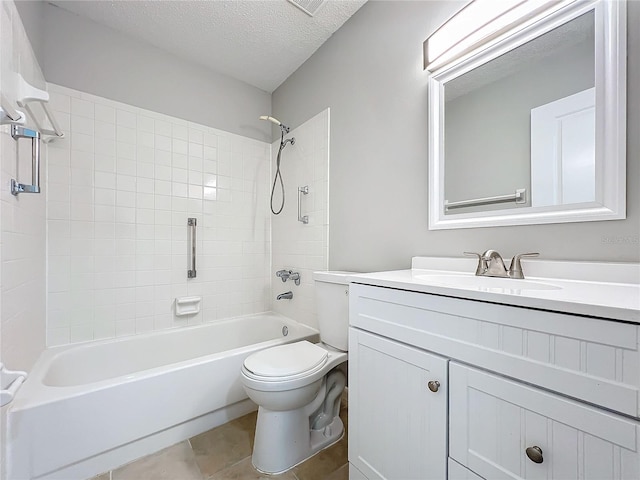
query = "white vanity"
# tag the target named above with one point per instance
(463, 377)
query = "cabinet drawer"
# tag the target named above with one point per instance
(494, 420)
(593, 360)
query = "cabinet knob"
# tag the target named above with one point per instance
(433, 385)
(535, 454)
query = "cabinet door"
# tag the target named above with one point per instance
(494, 421)
(397, 424)
(458, 472)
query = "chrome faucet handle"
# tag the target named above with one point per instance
(283, 275)
(295, 276)
(515, 269)
(482, 264)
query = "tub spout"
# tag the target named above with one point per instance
(285, 296)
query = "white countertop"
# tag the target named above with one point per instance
(616, 296)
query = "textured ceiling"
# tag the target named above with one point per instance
(260, 42)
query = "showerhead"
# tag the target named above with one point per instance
(284, 128)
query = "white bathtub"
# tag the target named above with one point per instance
(89, 408)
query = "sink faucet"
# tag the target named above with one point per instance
(491, 264)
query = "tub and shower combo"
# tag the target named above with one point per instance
(86, 409)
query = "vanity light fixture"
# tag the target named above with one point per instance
(480, 21)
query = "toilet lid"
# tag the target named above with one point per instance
(286, 360)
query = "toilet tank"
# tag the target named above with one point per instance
(332, 307)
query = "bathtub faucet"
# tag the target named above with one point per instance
(285, 275)
(285, 296)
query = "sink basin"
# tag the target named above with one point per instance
(472, 281)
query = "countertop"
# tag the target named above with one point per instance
(617, 297)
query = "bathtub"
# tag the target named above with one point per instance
(88, 408)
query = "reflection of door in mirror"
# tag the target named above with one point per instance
(563, 151)
(487, 121)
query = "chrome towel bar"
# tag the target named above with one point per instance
(520, 196)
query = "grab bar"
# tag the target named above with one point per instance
(192, 223)
(18, 132)
(519, 197)
(302, 191)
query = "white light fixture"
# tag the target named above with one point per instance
(478, 22)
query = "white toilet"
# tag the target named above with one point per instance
(298, 387)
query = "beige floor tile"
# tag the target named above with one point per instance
(341, 474)
(173, 463)
(225, 445)
(245, 471)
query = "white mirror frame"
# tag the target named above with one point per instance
(611, 103)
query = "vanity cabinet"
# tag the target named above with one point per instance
(511, 379)
(398, 429)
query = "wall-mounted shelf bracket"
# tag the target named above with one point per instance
(28, 94)
(8, 114)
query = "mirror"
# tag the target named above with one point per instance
(529, 128)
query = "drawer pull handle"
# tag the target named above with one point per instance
(535, 454)
(434, 385)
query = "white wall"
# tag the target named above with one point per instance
(22, 222)
(296, 246)
(84, 55)
(22, 263)
(370, 74)
(119, 191)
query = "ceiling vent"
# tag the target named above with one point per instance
(310, 7)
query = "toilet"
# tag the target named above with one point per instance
(298, 386)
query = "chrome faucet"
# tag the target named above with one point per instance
(285, 275)
(285, 296)
(491, 264)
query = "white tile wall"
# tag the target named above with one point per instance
(297, 246)
(119, 192)
(22, 218)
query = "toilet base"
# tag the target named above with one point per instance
(283, 448)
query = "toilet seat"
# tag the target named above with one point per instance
(286, 362)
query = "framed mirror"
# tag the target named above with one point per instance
(528, 126)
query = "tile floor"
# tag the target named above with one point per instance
(224, 453)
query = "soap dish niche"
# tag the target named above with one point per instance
(187, 306)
